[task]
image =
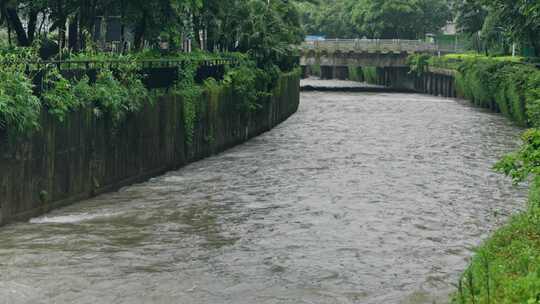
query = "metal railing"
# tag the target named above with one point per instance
(370, 45)
(116, 63)
(155, 73)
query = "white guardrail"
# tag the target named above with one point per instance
(371, 45)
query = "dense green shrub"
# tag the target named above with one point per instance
(418, 63)
(532, 94)
(58, 95)
(316, 70)
(118, 89)
(19, 108)
(249, 85)
(504, 84)
(498, 85)
(370, 75)
(355, 73)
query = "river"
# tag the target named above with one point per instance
(358, 198)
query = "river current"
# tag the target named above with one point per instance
(357, 198)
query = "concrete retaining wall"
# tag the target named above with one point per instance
(434, 82)
(85, 156)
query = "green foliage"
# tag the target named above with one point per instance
(505, 84)
(114, 94)
(392, 19)
(119, 90)
(249, 86)
(117, 96)
(506, 268)
(526, 161)
(370, 75)
(497, 23)
(190, 93)
(332, 19)
(316, 70)
(387, 19)
(532, 94)
(356, 74)
(18, 56)
(19, 108)
(58, 95)
(418, 63)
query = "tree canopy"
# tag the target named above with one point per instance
(387, 19)
(500, 23)
(260, 27)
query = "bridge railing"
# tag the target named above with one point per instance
(371, 45)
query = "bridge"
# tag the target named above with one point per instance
(336, 56)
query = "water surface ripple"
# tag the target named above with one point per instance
(358, 198)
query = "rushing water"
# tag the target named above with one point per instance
(358, 198)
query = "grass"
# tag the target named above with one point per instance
(370, 74)
(356, 73)
(453, 61)
(506, 268)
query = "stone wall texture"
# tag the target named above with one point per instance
(86, 156)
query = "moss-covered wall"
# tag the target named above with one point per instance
(86, 155)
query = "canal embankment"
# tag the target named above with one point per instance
(84, 154)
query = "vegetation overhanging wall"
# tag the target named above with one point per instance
(85, 155)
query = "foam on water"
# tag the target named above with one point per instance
(70, 219)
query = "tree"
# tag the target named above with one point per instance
(332, 19)
(522, 20)
(471, 15)
(400, 19)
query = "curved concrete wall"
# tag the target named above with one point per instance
(85, 156)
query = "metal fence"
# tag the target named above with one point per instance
(155, 73)
(377, 45)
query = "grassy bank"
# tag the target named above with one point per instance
(509, 85)
(506, 268)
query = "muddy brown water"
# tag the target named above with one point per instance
(358, 198)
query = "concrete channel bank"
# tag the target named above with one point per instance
(85, 156)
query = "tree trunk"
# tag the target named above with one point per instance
(140, 30)
(32, 23)
(16, 25)
(73, 34)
